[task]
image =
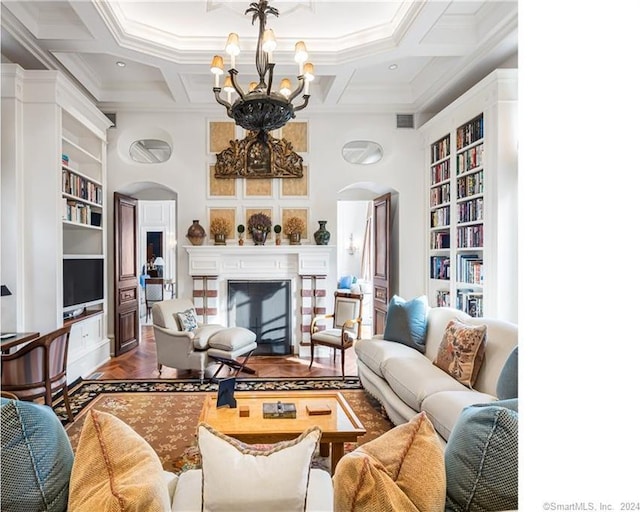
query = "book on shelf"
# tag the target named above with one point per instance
(440, 267)
(443, 298)
(440, 240)
(469, 301)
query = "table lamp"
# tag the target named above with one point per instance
(4, 292)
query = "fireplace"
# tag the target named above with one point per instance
(307, 272)
(264, 307)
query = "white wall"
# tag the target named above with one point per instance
(401, 169)
(352, 217)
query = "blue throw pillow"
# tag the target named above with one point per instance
(407, 321)
(507, 386)
(481, 458)
(346, 282)
(36, 458)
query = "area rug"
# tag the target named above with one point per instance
(165, 413)
(83, 392)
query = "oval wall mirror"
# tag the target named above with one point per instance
(362, 152)
(150, 151)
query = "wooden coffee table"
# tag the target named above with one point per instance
(339, 427)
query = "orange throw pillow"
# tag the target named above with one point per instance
(461, 351)
(115, 469)
(403, 469)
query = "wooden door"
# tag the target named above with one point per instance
(381, 260)
(126, 301)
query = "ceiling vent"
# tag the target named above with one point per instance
(112, 118)
(404, 120)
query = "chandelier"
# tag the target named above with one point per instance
(261, 108)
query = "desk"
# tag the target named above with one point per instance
(18, 338)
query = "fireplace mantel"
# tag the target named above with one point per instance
(253, 260)
(311, 269)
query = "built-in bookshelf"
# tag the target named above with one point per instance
(440, 214)
(472, 201)
(83, 197)
(60, 158)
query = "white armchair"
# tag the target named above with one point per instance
(201, 348)
(184, 350)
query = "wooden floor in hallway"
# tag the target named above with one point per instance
(141, 363)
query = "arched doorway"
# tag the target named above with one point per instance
(156, 242)
(356, 244)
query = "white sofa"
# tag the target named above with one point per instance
(186, 491)
(37, 464)
(406, 381)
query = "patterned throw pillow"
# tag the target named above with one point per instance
(36, 458)
(403, 469)
(188, 320)
(461, 351)
(115, 469)
(245, 478)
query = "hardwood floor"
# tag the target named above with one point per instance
(141, 363)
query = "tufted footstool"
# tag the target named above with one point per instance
(226, 345)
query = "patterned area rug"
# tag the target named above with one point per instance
(165, 413)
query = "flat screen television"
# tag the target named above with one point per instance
(82, 281)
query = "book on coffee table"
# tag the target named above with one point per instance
(318, 410)
(278, 410)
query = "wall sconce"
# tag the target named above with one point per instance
(352, 248)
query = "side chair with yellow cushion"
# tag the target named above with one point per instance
(345, 328)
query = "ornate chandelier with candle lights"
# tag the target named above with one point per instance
(261, 108)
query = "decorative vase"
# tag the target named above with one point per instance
(322, 236)
(294, 239)
(278, 239)
(219, 239)
(259, 237)
(241, 240)
(196, 233)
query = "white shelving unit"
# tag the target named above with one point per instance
(471, 200)
(56, 119)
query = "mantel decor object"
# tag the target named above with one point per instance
(262, 107)
(240, 230)
(259, 236)
(294, 239)
(220, 229)
(259, 225)
(196, 233)
(322, 236)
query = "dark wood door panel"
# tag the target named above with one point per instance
(382, 260)
(127, 325)
(125, 220)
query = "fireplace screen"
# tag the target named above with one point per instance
(263, 307)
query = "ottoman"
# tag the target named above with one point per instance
(226, 345)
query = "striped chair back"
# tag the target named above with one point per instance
(39, 368)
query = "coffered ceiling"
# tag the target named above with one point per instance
(379, 56)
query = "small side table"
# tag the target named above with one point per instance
(16, 338)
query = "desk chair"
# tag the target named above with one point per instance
(153, 292)
(346, 326)
(39, 369)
